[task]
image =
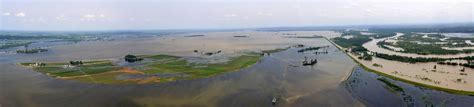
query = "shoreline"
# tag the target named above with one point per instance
(449, 90)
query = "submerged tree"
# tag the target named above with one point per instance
(75, 62)
(132, 58)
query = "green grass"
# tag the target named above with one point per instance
(182, 66)
(14, 44)
(391, 85)
(87, 70)
(275, 50)
(98, 71)
(104, 78)
(159, 57)
(309, 37)
(89, 67)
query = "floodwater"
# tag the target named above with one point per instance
(413, 96)
(372, 46)
(278, 75)
(443, 76)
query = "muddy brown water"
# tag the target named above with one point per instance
(278, 75)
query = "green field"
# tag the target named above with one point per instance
(99, 71)
(57, 69)
(172, 64)
(390, 84)
(14, 44)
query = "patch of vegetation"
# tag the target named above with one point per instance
(158, 57)
(425, 49)
(99, 71)
(407, 59)
(312, 48)
(356, 41)
(67, 70)
(201, 70)
(314, 36)
(391, 85)
(14, 44)
(104, 78)
(427, 44)
(377, 65)
(29, 51)
(132, 58)
(454, 28)
(274, 50)
(240, 36)
(421, 59)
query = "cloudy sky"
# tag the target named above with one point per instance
(223, 14)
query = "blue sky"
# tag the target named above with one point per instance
(223, 14)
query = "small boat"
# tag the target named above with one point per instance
(274, 100)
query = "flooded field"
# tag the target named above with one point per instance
(330, 82)
(372, 46)
(452, 77)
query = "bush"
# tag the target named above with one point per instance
(132, 58)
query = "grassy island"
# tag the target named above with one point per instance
(174, 64)
(148, 70)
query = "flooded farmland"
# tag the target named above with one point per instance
(334, 81)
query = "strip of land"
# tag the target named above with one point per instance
(144, 68)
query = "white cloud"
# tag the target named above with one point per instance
(90, 16)
(6, 14)
(101, 15)
(231, 15)
(20, 14)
